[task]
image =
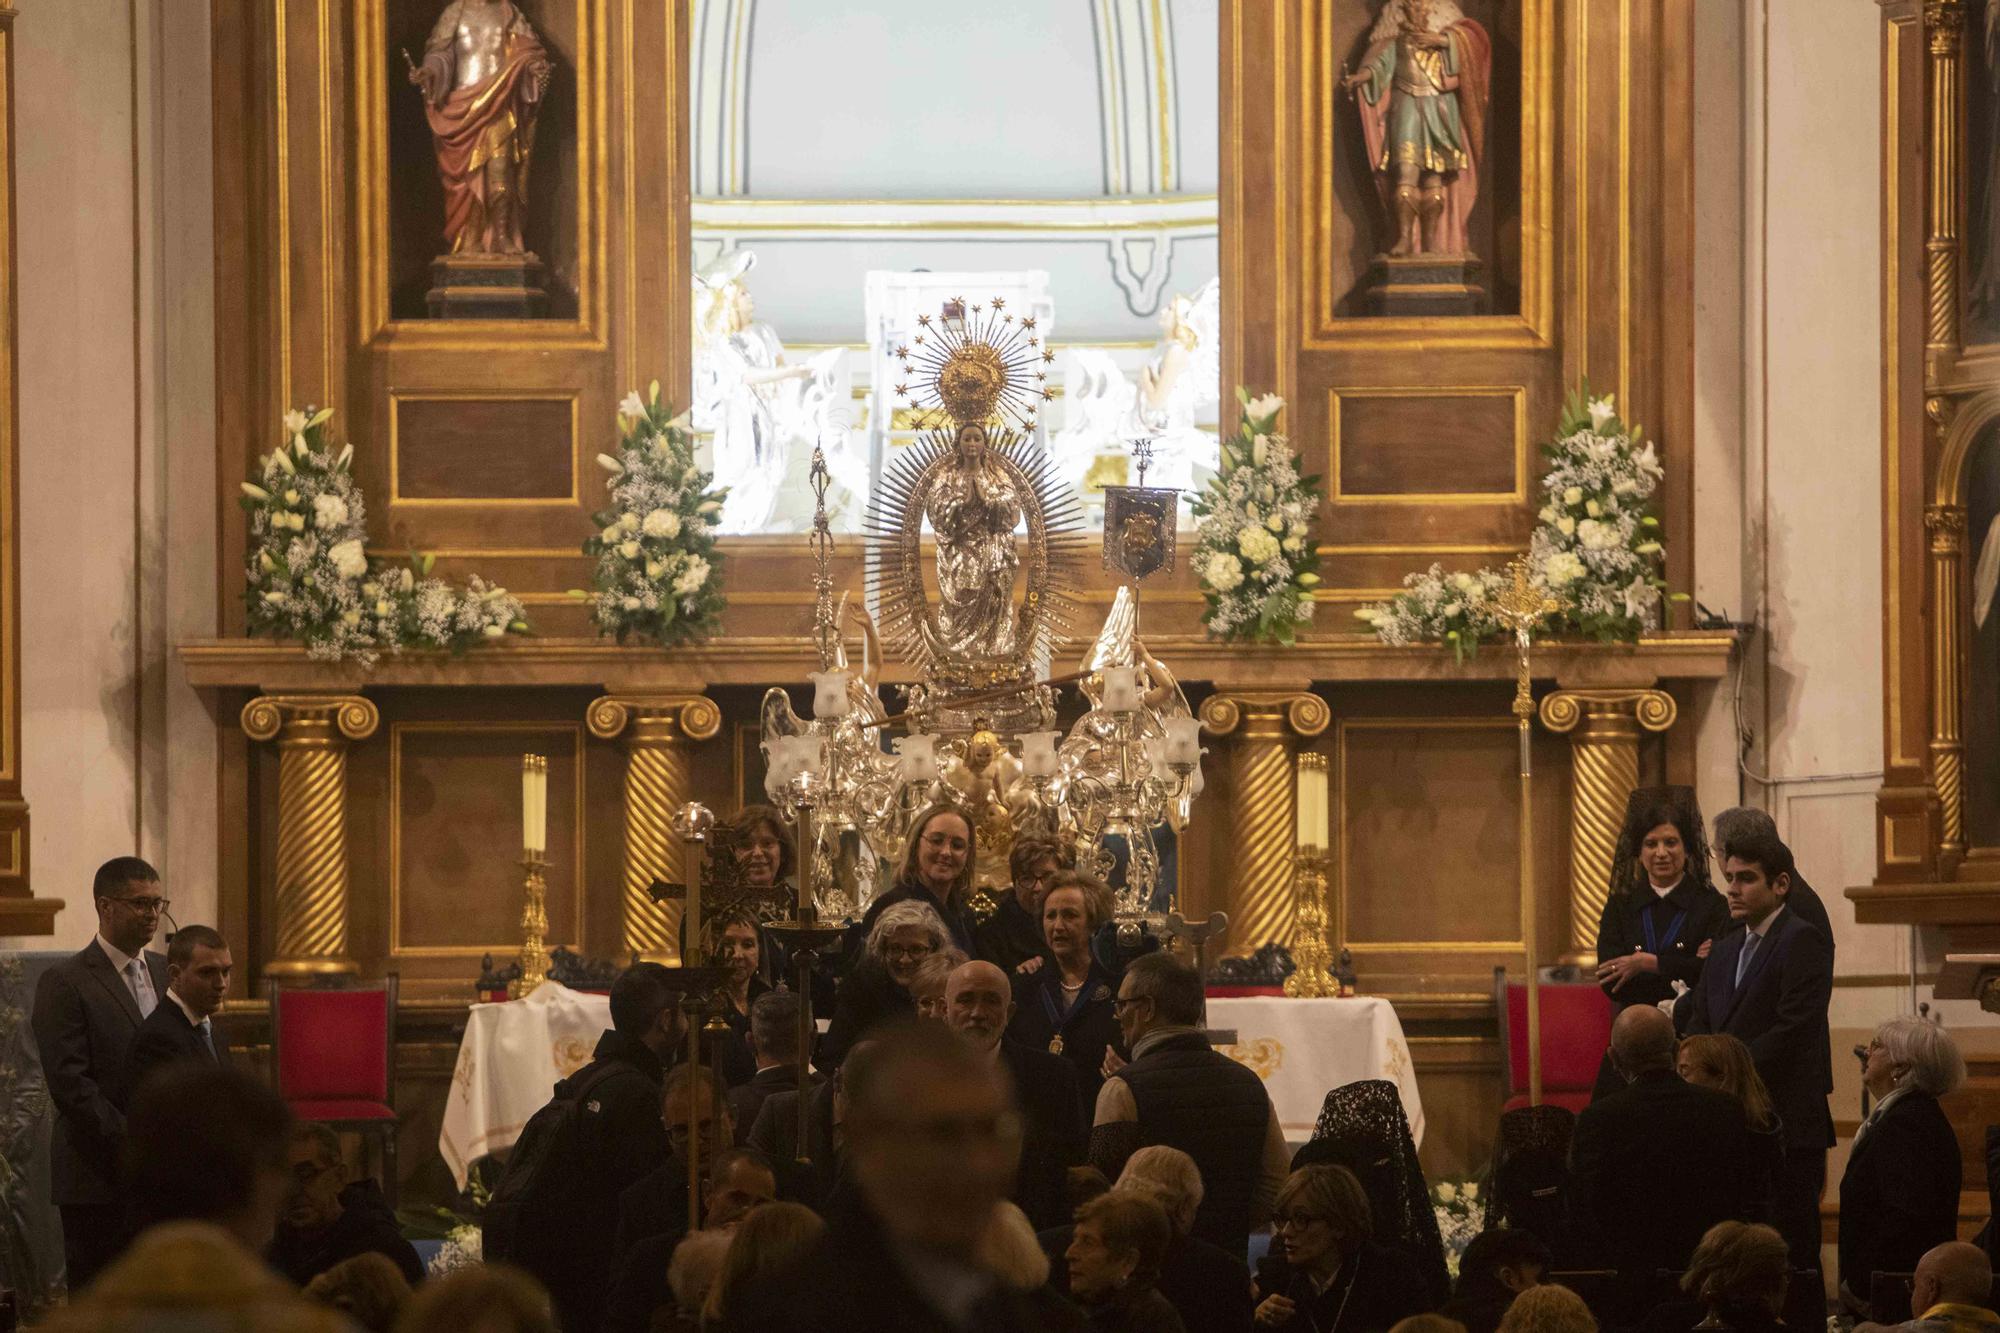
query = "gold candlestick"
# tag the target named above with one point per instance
(1312, 951)
(534, 957)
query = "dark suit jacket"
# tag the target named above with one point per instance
(776, 1135)
(1652, 1168)
(84, 1021)
(1900, 1194)
(1086, 1033)
(166, 1037)
(1780, 1014)
(653, 1205)
(1209, 1286)
(1045, 1090)
(746, 1101)
(1621, 929)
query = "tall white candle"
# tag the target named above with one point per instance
(527, 802)
(1312, 802)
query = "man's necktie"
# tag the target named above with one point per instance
(142, 986)
(1750, 943)
(207, 1040)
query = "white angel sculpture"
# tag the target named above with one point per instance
(762, 415)
(1178, 387)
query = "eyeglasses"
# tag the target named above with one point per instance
(146, 906)
(944, 840)
(1118, 1005)
(908, 952)
(1295, 1221)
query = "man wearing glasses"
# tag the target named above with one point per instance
(87, 1010)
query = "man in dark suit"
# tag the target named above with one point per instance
(87, 1009)
(1768, 984)
(1744, 824)
(775, 1137)
(1657, 1163)
(978, 1002)
(774, 1042)
(198, 968)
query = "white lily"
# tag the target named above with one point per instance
(254, 492)
(631, 406)
(346, 457)
(285, 462)
(610, 464)
(324, 414)
(1602, 410)
(295, 422)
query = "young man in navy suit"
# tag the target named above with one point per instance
(179, 1028)
(1768, 983)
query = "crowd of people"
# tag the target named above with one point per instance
(1012, 1123)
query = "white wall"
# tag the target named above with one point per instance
(117, 511)
(1788, 411)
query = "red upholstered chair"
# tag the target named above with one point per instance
(1576, 1029)
(335, 1053)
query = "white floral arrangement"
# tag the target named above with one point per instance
(308, 576)
(1254, 552)
(1595, 549)
(1461, 1215)
(464, 1247)
(658, 575)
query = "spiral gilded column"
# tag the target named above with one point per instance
(1604, 728)
(656, 730)
(310, 884)
(1263, 729)
(1947, 746)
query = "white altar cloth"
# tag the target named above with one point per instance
(510, 1061)
(1304, 1048)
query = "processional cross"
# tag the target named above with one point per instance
(1522, 605)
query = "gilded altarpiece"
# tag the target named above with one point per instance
(475, 439)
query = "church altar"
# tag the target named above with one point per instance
(514, 1051)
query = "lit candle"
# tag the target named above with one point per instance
(1183, 740)
(1038, 753)
(1312, 802)
(829, 694)
(541, 802)
(1121, 689)
(919, 756)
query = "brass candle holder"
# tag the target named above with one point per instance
(1312, 948)
(534, 956)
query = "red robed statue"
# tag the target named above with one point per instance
(483, 75)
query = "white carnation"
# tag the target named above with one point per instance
(1257, 545)
(629, 549)
(662, 523)
(1223, 572)
(348, 560)
(1574, 495)
(329, 511)
(1562, 569)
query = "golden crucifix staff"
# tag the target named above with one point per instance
(1522, 606)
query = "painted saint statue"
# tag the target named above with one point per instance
(483, 75)
(1422, 92)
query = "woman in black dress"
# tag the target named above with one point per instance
(1662, 913)
(878, 987)
(1325, 1273)
(1364, 1129)
(1066, 1007)
(937, 871)
(1720, 1061)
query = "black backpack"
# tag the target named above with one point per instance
(543, 1168)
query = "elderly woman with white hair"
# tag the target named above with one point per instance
(1209, 1286)
(903, 937)
(1900, 1194)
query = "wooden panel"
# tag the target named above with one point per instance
(1447, 786)
(456, 882)
(455, 448)
(1428, 446)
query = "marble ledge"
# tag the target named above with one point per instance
(274, 666)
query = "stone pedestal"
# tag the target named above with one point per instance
(1425, 285)
(656, 729)
(488, 287)
(312, 732)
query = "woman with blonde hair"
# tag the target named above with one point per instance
(1548, 1308)
(773, 1238)
(1722, 1062)
(937, 869)
(1325, 1272)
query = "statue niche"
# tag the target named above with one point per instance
(481, 163)
(1426, 184)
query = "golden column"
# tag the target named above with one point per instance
(1947, 529)
(1263, 903)
(656, 728)
(1604, 728)
(312, 731)
(1945, 22)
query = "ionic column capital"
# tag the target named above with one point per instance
(1268, 715)
(1604, 714)
(306, 717)
(658, 718)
